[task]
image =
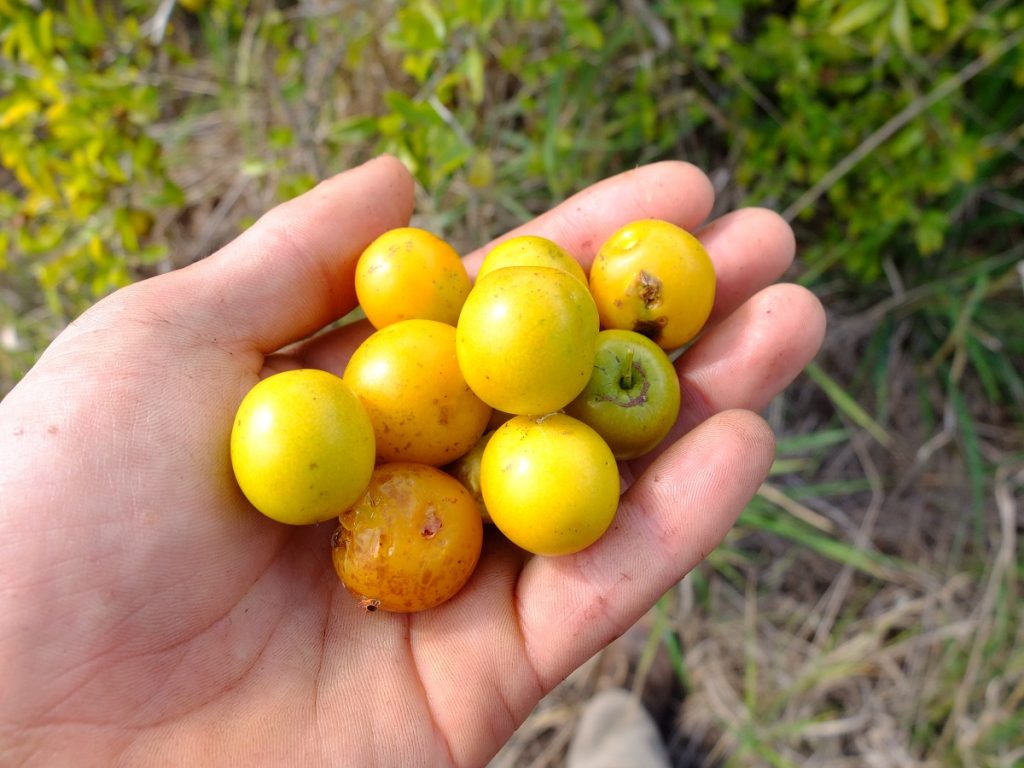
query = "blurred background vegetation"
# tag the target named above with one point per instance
(867, 606)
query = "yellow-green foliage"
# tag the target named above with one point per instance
(76, 106)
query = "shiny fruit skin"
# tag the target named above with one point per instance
(632, 398)
(525, 339)
(302, 446)
(530, 251)
(550, 483)
(410, 273)
(408, 379)
(411, 541)
(654, 278)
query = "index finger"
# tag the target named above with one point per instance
(671, 190)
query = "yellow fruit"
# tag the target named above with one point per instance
(550, 483)
(654, 278)
(411, 541)
(302, 446)
(530, 251)
(409, 273)
(526, 339)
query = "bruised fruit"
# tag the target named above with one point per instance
(411, 541)
(654, 278)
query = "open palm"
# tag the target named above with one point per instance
(149, 615)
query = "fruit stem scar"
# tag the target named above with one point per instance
(640, 398)
(626, 380)
(369, 604)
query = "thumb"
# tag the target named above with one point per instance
(292, 272)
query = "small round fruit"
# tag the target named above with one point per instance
(411, 541)
(466, 469)
(550, 483)
(302, 446)
(654, 278)
(525, 339)
(531, 251)
(410, 273)
(632, 398)
(407, 377)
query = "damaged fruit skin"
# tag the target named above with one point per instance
(656, 279)
(411, 541)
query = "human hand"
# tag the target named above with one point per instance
(149, 615)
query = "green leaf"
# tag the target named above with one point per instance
(433, 17)
(473, 65)
(845, 403)
(930, 232)
(856, 14)
(900, 24)
(934, 13)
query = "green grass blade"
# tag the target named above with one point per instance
(848, 406)
(824, 438)
(764, 516)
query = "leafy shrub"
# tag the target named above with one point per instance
(777, 94)
(81, 179)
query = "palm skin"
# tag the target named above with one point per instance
(148, 615)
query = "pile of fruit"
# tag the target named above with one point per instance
(506, 400)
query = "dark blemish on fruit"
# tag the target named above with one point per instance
(432, 525)
(648, 287)
(313, 465)
(650, 328)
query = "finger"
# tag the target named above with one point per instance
(292, 272)
(751, 356)
(674, 191)
(676, 513)
(330, 351)
(750, 248)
